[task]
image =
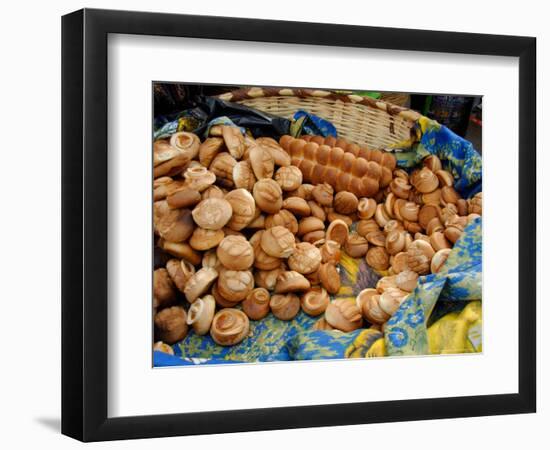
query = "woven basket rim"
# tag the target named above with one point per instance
(259, 92)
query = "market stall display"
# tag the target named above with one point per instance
(313, 246)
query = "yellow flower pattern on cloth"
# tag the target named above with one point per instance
(369, 343)
(457, 283)
(457, 332)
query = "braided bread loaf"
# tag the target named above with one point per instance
(385, 159)
(343, 170)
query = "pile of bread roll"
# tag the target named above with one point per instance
(249, 227)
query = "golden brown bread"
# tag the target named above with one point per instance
(341, 169)
(385, 159)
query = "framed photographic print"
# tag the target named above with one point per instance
(327, 217)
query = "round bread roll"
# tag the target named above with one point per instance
(285, 307)
(209, 149)
(229, 326)
(256, 304)
(297, 205)
(210, 259)
(280, 157)
(268, 195)
(338, 231)
(183, 199)
(180, 272)
(205, 239)
(164, 293)
(305, 259)
(283, 218)
(171, 324)
(323, 194)
(243, 206)
(309, 224)
(344, 315)
(291, 281)
(315, 301)
(243, 176)
(174, 225)
(356, 246)
(378, 258)
(187, 143)
(212, 192)
(289, 178)
(222, 166)
(199, 178)
(235, 253)
(199, 283)
(212, 213)
(180, 250)
(329, 277)
(262, 260)
(345, 202)
(278, 242)
(235, 285)
(234, 140)
(268, 278)
(313, 236)
(330, 251)
(262, 162)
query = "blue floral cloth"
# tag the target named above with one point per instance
(457, 154)
(458, 281)
(307, 123)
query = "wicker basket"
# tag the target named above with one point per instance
(362, 120)
(396, 98)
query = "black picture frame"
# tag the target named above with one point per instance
(84, 224)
